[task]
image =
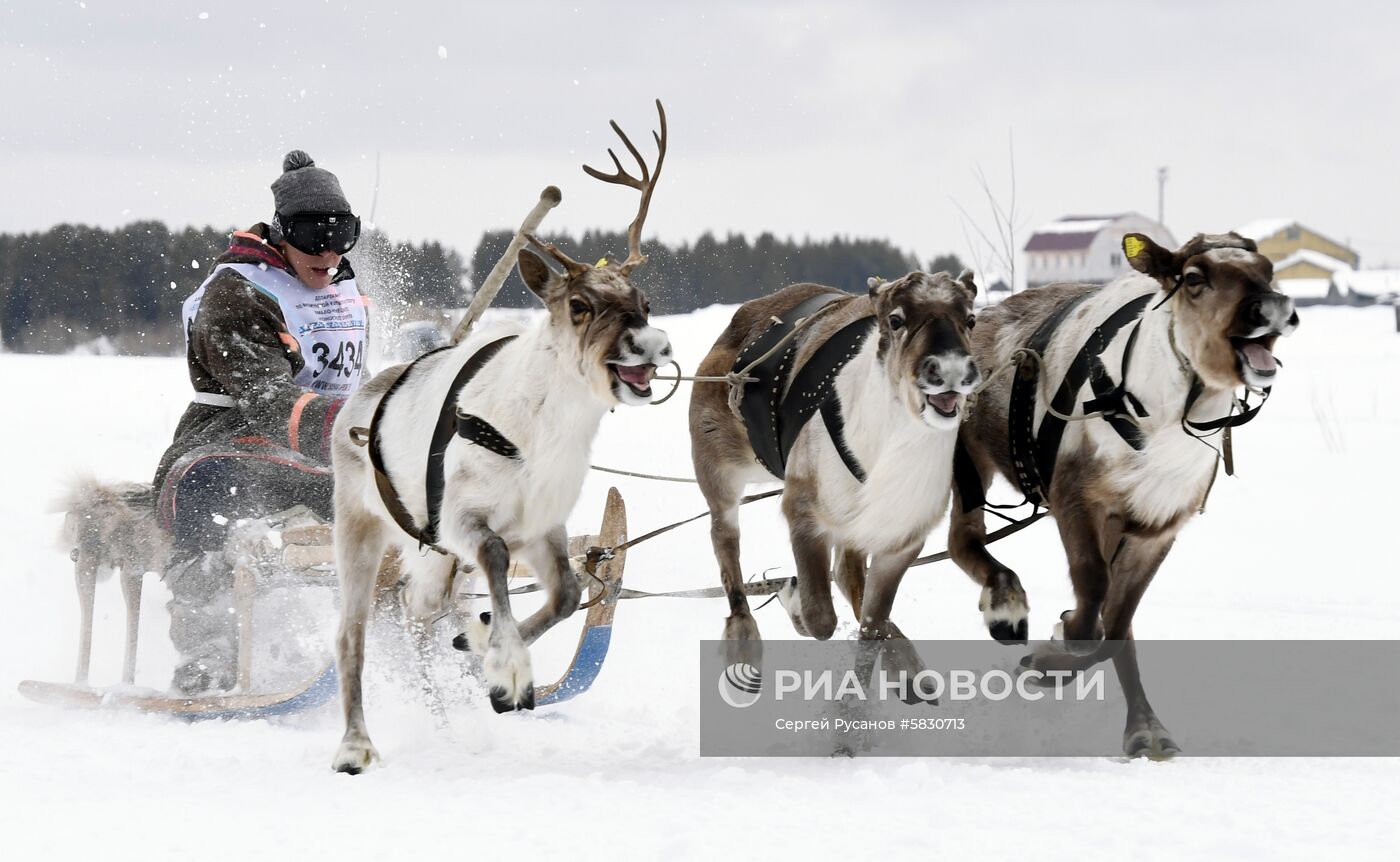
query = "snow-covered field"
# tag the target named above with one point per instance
(1299, 545)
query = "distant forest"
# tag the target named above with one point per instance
(73, 285)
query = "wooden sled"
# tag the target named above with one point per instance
(295, 548)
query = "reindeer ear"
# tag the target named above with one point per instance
(874, 282)
(965, 279)
(1149, 258)
(535, 272)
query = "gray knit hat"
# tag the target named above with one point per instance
(305, 188)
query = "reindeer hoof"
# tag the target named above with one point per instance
(912, 697)
(1152, 742)
(1005, 610)
(1070, 639)
(1008, 632)
(500, 700)
(354, 757)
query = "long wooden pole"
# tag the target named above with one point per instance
(549, 199)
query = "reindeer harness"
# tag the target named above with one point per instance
(451, 422)
(1033, 454)
(775, 410)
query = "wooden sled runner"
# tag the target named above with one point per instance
(306, 557)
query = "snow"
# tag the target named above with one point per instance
(1305, 288)
(1293, 547)
(1264, 228)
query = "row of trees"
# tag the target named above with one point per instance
(711, 270)
(73, 285)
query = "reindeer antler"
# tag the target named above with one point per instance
(646, 185)
(571, 266)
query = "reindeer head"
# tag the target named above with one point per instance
(597, 308)
(1227, 316)
(924, 323)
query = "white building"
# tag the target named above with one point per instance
(1086, 248)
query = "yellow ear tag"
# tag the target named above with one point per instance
(1133, 246)
(602, 262)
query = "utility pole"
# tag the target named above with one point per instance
(1162, 196)
(374, 201)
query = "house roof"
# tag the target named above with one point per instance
(1367, 282)
(1316, 258)
(1070, 233)
(1263, 228)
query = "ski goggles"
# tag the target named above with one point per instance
(314, 233)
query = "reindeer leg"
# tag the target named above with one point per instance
(548, 558)
(359, 547)
(850, 577)
(505, 660)
(425, 591)
(131, 591)
(1080, 629)
(807, 597)
(881, 586)
(85, 575)
(721, 488)
(1003, 603)
(1131, 571)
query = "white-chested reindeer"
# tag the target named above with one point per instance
(866, 479)
(529, 412)
(1154, 357)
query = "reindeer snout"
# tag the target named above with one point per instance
(949, 371)
(1271, 314)
(648, 344)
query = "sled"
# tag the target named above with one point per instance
(295, 548)
(603, 571)
(318, 691)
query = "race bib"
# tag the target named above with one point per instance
(329, 326)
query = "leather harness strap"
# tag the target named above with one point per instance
(1031, 475)
(449, 423)
(775, 412)
(760, 400)
(814, 388)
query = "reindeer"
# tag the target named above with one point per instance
(1204, 320)
(531, 405)
(889, 372)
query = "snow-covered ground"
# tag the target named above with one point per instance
(1299, 545)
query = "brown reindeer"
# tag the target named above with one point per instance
(867, 481)
(1157, 354)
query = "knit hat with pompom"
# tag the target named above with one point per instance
(305, 188)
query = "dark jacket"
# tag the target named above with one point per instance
(239, 346)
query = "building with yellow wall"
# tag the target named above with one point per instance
(1298, 251)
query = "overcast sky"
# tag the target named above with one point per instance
(804, 119)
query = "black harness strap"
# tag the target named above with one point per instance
(447, 426)
(814, 388)
(387, 494)
(1034, 451)
(759, 403)
(1020, 413)
(836, 427)
(1114, 400)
